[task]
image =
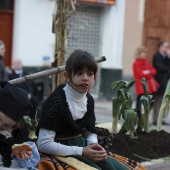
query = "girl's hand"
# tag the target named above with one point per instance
(24, 155)
(94, 152)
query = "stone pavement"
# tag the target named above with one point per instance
(103, 111)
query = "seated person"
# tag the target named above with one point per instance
(14, 104)
(16, 72)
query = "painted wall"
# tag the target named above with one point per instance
(112, 24)
(33, 38)
(133, 33)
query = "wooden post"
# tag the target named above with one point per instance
(62, 12)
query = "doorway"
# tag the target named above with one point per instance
(6, 27)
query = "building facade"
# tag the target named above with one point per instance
(103, 27)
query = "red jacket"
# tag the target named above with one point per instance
(139, 66)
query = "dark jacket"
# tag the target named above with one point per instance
(3, 73)
(162, 65)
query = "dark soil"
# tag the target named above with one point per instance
(144, 147)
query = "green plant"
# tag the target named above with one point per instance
(145, 100)
(31, 125)
(164, 109)
(27, 120)
(129, 115)
(122, 87)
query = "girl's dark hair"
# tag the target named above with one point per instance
(80, 59)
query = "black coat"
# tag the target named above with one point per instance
(3, 73)
(162, 65)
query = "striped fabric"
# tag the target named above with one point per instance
(129, 163)
(51, 163)
(62, 163)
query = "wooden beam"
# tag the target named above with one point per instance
(46, 73)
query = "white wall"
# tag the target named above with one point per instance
(112, 23)
(32, 36)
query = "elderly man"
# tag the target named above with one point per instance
(16, 72)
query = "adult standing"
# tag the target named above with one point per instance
(161, 62)
(3, 72)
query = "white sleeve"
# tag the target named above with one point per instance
(91, 138)
(47, 145)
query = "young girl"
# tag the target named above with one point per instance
(142, 68)
(67, 123)
(14, 104)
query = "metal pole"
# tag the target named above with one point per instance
(46, 73)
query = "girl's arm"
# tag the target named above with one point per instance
(46, 144)
(33, 160)
(91, 138)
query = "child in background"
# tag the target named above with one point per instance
(142, 68)
(67, 122)
(14, 104)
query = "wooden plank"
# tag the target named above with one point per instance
(46, 73)
(157, 13)
(156, 24)
(152, 46)
(155, 32)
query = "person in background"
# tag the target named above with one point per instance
(142, 68)
(3, 72)
(16, 72)
(14, 104)
(161, 62)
